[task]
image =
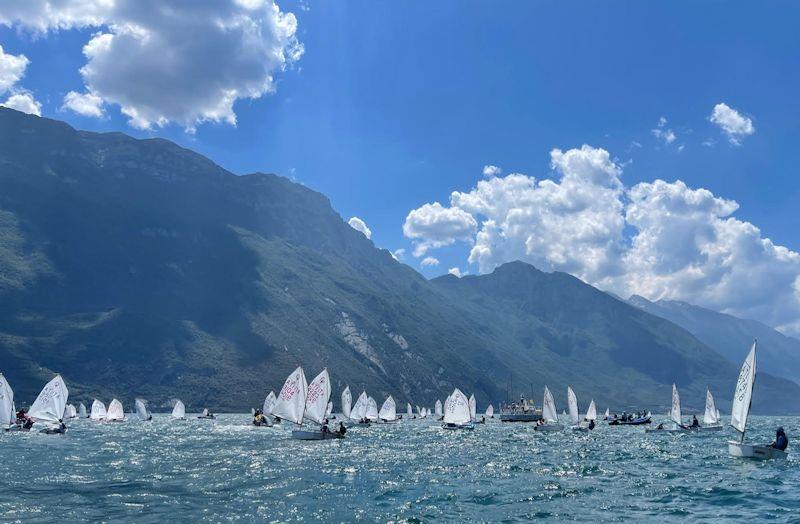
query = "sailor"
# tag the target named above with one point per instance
(342, 428)
(660, 426)
(325, 428)
(591, 424)
(781, 441)
(695, 423)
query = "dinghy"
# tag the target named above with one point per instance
(359, 411)
(8, 416)
(438, 409)
(269, 404)
(299, 401)
(347, 402)
(206, 414)
(489, 411)
(409, 411)
(141, 410)
(388, 412)
(82, 411)
(73, 413)
(372, 410)
(179, 411)
(675, 417)
(456, 412)
(48, 407)
(606, 415)
(423, 413)
(711, 420)
(98, 410)
(591, 415)
(574, 418)
(549, 414)
(740, 410)
(115, 412)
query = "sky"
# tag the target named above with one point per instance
(645, 147)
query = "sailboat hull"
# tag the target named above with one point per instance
(547, 428)
(710, 428)
(468, 426)
(752, 451)
(314, 435)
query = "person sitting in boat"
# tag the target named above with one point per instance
(342, 429)
(660, 426)
(591, 424)
(277, 419)
(695, 422)
(325, 428)
(781, 441)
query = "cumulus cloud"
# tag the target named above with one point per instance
(161, 62)
(663, 133)
(429, 261)
(12, 69)
(454, 271)
(86, 104)
(359, 225)
(657, 239)
(489, 171)
(23, 101)
(434, 226)
(735, 125)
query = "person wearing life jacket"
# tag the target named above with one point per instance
(781, 441)
(695, 423)
(342, 429)
(591, 424)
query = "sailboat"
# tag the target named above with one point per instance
(423, 413)
(711, 418)
(141, 410)
(8, 416)
(82, 411)
(572, 404)
(299, 401)
(115, 412)
(591, 415)
(489, 411)
(438, 409)
(388, 412)
(473, 408)
(456, 412)
(347, 402)
(549, 414)
(269, 403)
(98, 410)
(409, 411)
(675, 416)
(359, 411)
(606, 415)
(70, 411)
(329, 411)
(49, 406)
(740, 410)
(179, 411)
(372, 410)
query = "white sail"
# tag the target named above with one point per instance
(473, 408)
(179, 411)
(438, 408)
(98, 410)
(49, 405)
(388, 409)
(424, 413)
(549, 413)
(329, 409)
(372, 409)
(572, 401)
(710, 415)
(317, 395)
(744, 392)
(409, 411)
(269, 404)
(115, 411)
(456, 409)
(347, 402)
(606, 415)
(489, 411)
(141, 409)
(719, 417)
(7, 413)
(359, 410)
(82, 411)
(675, 411)
(291, 401)
(71, 411)
(419, 411)
(591, 413)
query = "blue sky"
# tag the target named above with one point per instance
(392, 106)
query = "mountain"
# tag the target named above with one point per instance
(730, 336)
(137, 267)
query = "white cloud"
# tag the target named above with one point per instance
(454, 271)
(490, 171)
(398, 254)
(359, 225)
(86, 104)
(182, 62)
(429, 261)
(434, 226)
(12, 69)
(732, 123)
(663, 133)
(23, 101)
(657, 239)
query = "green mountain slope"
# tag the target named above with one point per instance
(136, 267)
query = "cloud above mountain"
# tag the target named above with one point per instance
(12, 70)
(162, 62)
(656, 239)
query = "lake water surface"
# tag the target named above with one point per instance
(225, 469)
